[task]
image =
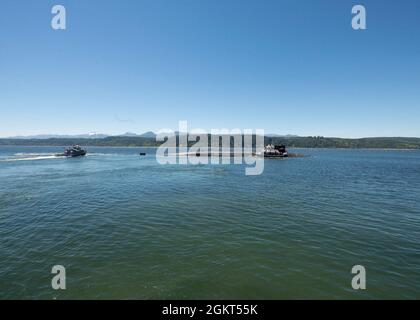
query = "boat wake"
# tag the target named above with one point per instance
(29, 157)
(45, 156)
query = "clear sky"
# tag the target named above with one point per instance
(289, 67)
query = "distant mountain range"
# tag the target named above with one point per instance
(61, 136)
(95, 135)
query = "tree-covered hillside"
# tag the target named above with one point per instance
(290, 141)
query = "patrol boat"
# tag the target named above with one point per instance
(75, 151)
(271, 151)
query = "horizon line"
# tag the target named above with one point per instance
(139, 135)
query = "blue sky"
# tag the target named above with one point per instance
(289, 67)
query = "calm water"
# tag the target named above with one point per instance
(126, 227)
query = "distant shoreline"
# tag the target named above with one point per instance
(156, 147)
(314, 142)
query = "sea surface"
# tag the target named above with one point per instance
(126, 227)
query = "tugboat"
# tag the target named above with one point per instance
(75, 151)
(271, 151)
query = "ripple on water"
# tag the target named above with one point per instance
(126, 227)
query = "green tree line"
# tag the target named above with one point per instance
(290, 142)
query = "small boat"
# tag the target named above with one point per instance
(271, 151)
(75, 151)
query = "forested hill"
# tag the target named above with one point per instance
(289, 141)
(370, 143)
